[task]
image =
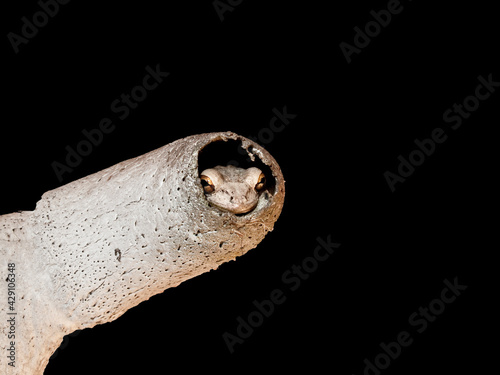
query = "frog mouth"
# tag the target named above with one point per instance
(246, 209)
(238, 210)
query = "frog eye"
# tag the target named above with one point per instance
(208, 185)
(261, 182)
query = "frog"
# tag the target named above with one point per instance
(233, 189)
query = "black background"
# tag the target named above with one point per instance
(353, 120)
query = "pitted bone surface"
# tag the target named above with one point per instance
(98, 246)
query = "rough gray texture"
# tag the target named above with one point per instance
(98, 246)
